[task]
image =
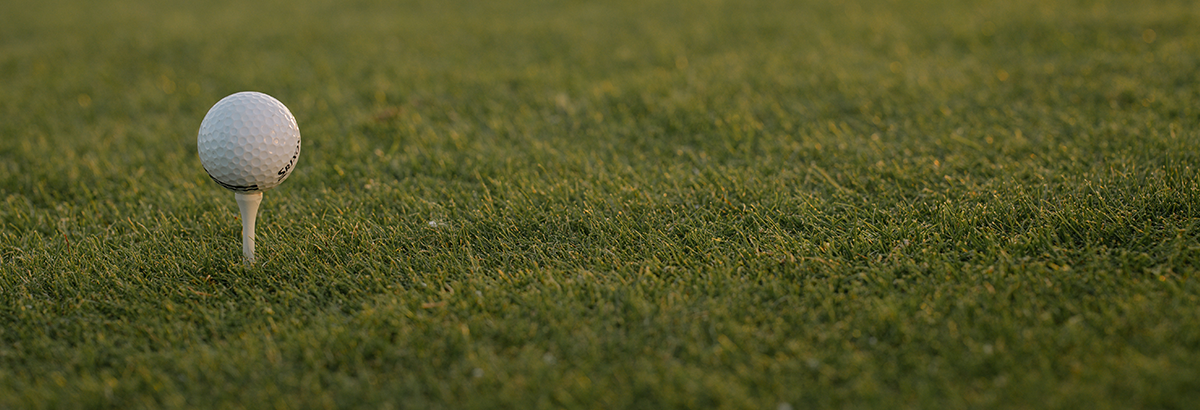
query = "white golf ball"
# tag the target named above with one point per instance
(249, 142)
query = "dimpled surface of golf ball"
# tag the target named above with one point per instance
(249, 142)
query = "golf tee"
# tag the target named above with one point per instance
(248, 205)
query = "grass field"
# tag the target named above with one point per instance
(645, 204)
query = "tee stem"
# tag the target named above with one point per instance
(248, 204)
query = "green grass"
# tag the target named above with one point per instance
(648, 204)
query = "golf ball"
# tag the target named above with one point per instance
(249, 142)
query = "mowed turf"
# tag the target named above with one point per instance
(645, 204)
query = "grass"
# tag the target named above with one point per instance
(662, 204)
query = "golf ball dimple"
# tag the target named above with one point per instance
(249, 142)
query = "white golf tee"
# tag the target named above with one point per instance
(248, 204)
